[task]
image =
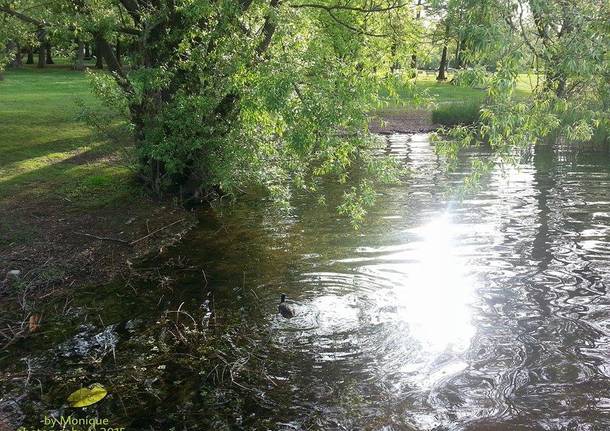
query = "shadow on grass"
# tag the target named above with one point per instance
(16, 153)
(83, 177)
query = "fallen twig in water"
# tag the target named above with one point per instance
(155, 231)
(105, 238)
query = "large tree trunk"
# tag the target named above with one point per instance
(49, 58)
(119, 51)
(99, 61)
(80, 56)
(30, 59)
(443, 66)
(42, 54)
(149, 102)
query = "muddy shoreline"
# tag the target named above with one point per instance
(407, 122)
(55, 247)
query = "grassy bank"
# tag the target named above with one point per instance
(46, 150)
(69, 202)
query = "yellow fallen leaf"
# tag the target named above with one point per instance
(34, 322)
(86, 396)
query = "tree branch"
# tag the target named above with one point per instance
(133, 9)
(354, 29)
(129, 30)
(113, 64)
(331, 8)
(268, 29)
(334, 8)
(22, 17)
(529, 44)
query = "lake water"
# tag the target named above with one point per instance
(485, 313)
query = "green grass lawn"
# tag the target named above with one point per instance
(45, 150)
(444, 92)
(60, 180)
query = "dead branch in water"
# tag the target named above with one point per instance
(155, 231)
(124, 242)
(104, 238)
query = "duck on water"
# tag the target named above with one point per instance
(285, 309)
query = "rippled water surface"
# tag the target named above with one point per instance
(487, 313)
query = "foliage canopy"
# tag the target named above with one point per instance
(224, 94)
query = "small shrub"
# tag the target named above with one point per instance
(460, 113)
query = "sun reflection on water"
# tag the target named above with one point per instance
(417, 294)
(434, 292)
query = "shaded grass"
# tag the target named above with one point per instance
(45, 150)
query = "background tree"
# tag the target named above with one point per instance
(34, 20)
(568, 45)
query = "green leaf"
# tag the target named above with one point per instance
(87, 396)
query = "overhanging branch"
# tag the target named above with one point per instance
(330, 8)
(7, 10)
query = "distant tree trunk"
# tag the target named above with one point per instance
(49, 58)
(395, 63)
(18, 57)
(30, 59)
(414, 56)
(42, 54)
(458, 54)
(461, 39)
(556, 77)
(561, 88)
(99, 61)
(443, 66)
(87, 52)
(80, 56)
